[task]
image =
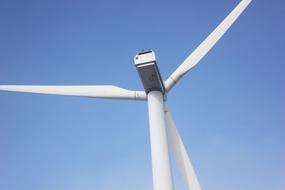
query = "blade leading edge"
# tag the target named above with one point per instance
(206, 45)
(179, 153)
(98, 91)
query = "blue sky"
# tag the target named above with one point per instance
(230, 109)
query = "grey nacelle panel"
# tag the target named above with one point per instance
(145, 62)
(150, 77)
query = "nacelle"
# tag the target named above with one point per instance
(149, 72)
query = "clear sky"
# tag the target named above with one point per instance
(230, 109)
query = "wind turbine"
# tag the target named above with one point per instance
(164, 136)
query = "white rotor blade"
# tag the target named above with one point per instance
(206, 45)
(180, 155)
(100, 91)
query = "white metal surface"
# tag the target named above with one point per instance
(161, 169)
(206, 45)
(144, 57)
(179, 153)
(100, 91)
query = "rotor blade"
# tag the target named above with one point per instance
(180, 155)
(206, 45)
(99, 91)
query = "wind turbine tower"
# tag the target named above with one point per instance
(164, 136)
